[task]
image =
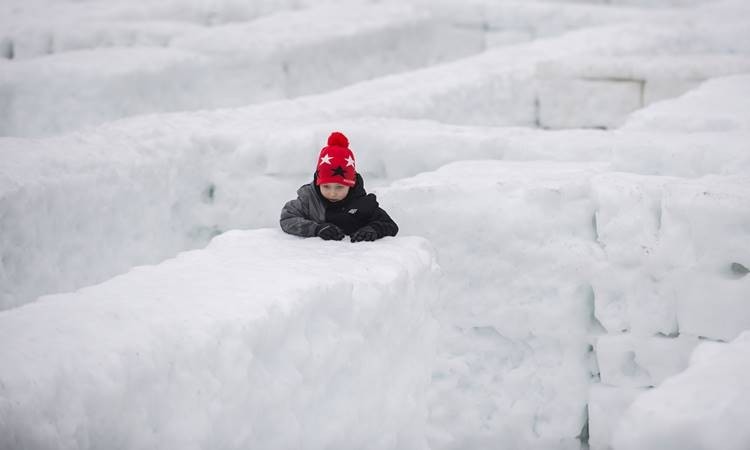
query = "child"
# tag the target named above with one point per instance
(335, 203)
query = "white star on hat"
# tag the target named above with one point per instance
(349, 161)
(325, 159)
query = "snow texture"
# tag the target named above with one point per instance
(602, 92)
(43, 96)
(703, 407)
(632, 361)
(581, 171)
(508, 285)
(606, 406)
(222, 348)
(717, 106)
(283, 55)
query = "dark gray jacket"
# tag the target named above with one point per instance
(304, 215)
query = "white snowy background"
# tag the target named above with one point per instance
(571, 181)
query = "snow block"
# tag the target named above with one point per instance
(644, 68)
(261, 340)
(665, 88)
(368, 40)
(671, 244)
(494, 87)
(716, 106)
(626, 360)
(606, 406)
(630, 300)
(508, 263)
(601, 91)
(579, 103)
(703, 408)
(120, 196)
(279, 56)
(628, 295)
(688, 155)
(638, 195)
(713, 305)
(47, 28)
(516, 245)
(66, 91)
(706, 233)
(536, 19)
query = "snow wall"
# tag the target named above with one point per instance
(583, 285)
(553, 293)
(630, 254)
(51, 79)
(282, 55)
(186, 184)
(253, 342)
(706, 406)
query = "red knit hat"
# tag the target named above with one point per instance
(336, 162)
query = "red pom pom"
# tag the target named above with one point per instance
(337, 139)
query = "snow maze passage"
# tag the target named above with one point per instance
(571, 181)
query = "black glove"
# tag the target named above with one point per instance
(367, 233)
(330, 232)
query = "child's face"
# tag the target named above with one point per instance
(334, 192)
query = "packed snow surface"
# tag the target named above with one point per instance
(507, 287)
(281, 55)
(580, 172)
(544, 250)
(223, 348)
(706, 406)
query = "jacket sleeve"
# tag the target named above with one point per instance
(383, 224)
(294, 219)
